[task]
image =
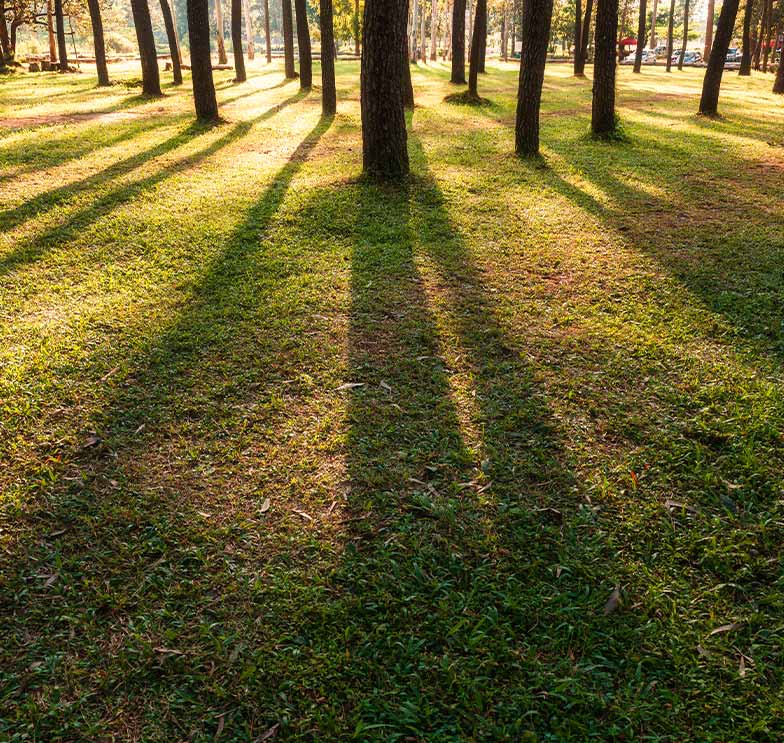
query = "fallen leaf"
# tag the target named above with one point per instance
(269, 734)
(52, 579)
(349, 386)
(672, 504)
(221, 724)
(385, 386)
(725, 628)
(265, 506)
(742, 667)
(303, 514)
(90, 441)
(613, 601)
(109, 374)
(168, 651)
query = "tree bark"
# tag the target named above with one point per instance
(505, 35)
(288, 39)
(480, 28)
(423, 34)
(745, 60)
(236, 41)
(768, 22)
(414, 15)
(406, 87)
(483, 47)
(201, 62)
(448, 24)
(685, 34)
(222, 58)
(709, 29)
(356, 27)
(62, 50)
(50, 32)
(670, 29)
(434, 31)
(586, 29)
(151, 79)
(712, 83)
(303, 42)
(100, 50)
(267, 39)
(578, 34)
(384, 139)
(603, 108)
(5, 42)
(640, 36)
(458, 42)
(249, 30)
(758, 39)
(654, 11)
(174, 42)
(328, 92)
(535, 32)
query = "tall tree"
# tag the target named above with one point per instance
(98, 44)
(578, 34)
(778, 86)
(535, 28)
(670, 29)
(250, 33)
(458, 42)
(303, 42)
(767, 22)
(603, 107)
(62, 49)
(433, 31)
(413, 25)
(480, 29)
(236, 41)
(745, 59)
(709, 29)
(423, 34)
(579, 70)
(384, 139)
(505, 35)
(328, 92)
(288, 40)
(640, 38)
(151, 79)
(174, 42)
(685, 33)
(50, 32)
(267, 35)
(654, 12)
(201, 63)
(711, 84)
(222, 58)
(406, 87)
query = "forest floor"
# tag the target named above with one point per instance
(494, 455)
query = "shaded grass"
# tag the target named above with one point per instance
(561, 380)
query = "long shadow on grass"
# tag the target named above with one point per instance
(107, 202)
(123, 550)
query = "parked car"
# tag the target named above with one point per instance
(648, 57)
(734, 56)
(690, 59)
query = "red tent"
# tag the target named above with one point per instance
(628, 41)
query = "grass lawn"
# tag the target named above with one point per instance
(496, 455)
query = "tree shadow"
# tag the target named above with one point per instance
(27, 252)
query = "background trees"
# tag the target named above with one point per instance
(712, 82)
(201, 63)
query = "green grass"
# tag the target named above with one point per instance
(205, 534)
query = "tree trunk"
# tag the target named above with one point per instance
(778, 86)
(505, 35)
(767, 21)
(434, 31)
(384, 139)
(100, 50)
(414, 15)
(448, 44)
(758, 40)
(603, 108)
(250, 33)
(62, 50)
(5, 43)
(288, 40)
(578, 34)
(655, 10)
(303, 42)
(685, 34)
(712, 83)
(640, 36)
(458, 42)
(709, 30)
(406, 87)
(470, 37)
(328, 92)
(50, 32)
(267, 35)
(236, 41)
(201, 62)
(483, 47)
(151, 79)
(745, 60)
(480, 27)
(356, 27)
(535, 31)
(423, 34)
(586, 35)
(174, 42)
(670, 29)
